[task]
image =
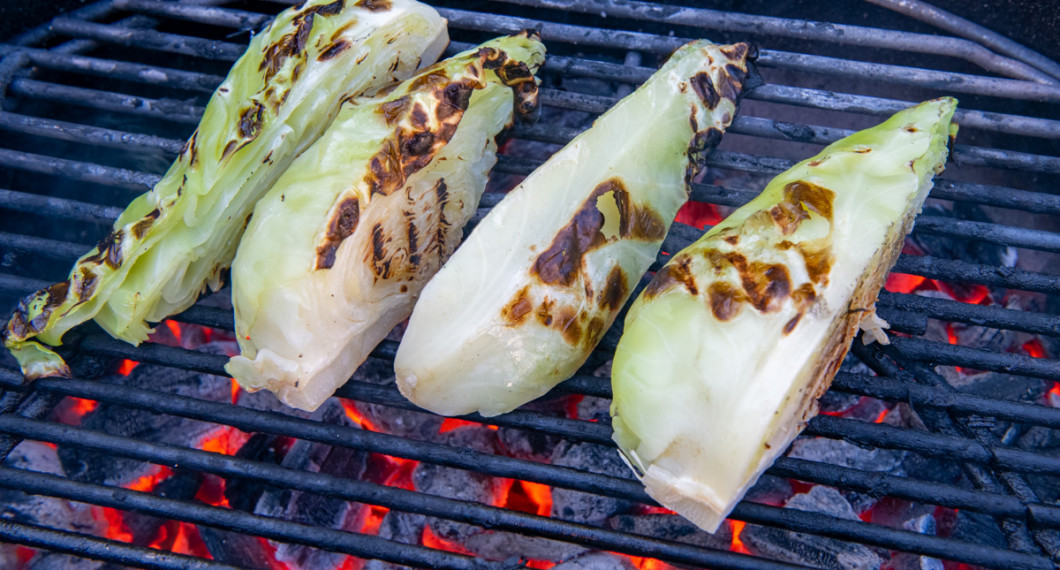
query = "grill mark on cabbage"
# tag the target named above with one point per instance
(289, 45)
(86, 285)
(140, 228)
(333, 50)
(341, 226)
(374, 5)
(328, 9)
(109, 250)
(380, 260)
(413, 235)
(678, 271)
(615, 290)
(250, 120)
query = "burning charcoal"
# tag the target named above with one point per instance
(315, 509)
(497, 545)
(94, 467)
(237, 549)
(584, 507)
(906, 561)
(394, 421)
(406, 528)
(845, 454)
(597, 561)
(978, 528)
(50, 512)
(770, 490)
(812, 550)
(525, 444)
(672, 527)
(457, 483)
(181, 485)
(243, 494)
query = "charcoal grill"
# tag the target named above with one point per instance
(97, 102)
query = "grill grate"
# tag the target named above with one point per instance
(100, 100)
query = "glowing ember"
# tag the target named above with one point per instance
(883, 415)
(449, 424)
(374, 520)
(903, 283)
(356, 417)
(647, 563)
(235, 390)
(224, 439)
(1053, 396)
(126, 367)
(431, 540)
(737, 544)
(653, 510)
(527, 497)
(82, 407)
(698, 214)
(24, 554)
(174, 328)
(1034, 347)
(951, 337)
(539, 564)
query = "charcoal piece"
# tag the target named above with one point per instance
(45, 560)
(845, 454)
(51, 512)
(266, 401)
(816, 551)
(526, 444)
(821, 499)
(594, 409)
(978, 528)
(181, 485)
(942, 470)
(236, 549)
(499, 545)
(1040, 438)
(457, 483)
(403, 423)
(243, 494)
(770, 490)
(312, 509)
(95, 467)
(907, 561)
(923, 524)
(597, 561)
(406, 528)
(582, 507)
(672, 527)
(837, 402)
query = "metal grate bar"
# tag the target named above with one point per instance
(277, 529)
(983, 315)
(76, 170)
(168, 110)
(58, 207)
(61, 250)
(85, 134)
(149, 39)
(101, 549)
(801, 29)
(922, 350)
(347, 489)
(224, 17)
(1040, 240)
(955, 270)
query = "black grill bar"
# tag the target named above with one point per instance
(85, 134)
(227, 466)
(982, 315)
(702, 18)
(174, 111)
(101, 549)
(149, 39)
(351, 490)
(277, 529)
(58, 208)
(75, 170)
(942, 353)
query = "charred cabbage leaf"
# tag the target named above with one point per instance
(174, 241)
(341, 246)
(725, 353)
(522, 303)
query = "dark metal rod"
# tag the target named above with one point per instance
(169, 110)
(128, 71)
(149, 39)
(954, 270)
(224, 17)
(85, 134)
(772, 27)
(585, 36)
(923, 350)
(76, 170)
(885, 388)
(968, 29)
(931, 444)
(62, 250)
(228, 519)
(993, 316)
(86, 546)
(347, 489)
(57, 207)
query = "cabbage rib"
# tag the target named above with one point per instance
(174, 241)
(726, 351)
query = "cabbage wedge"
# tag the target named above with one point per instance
(339, 249)
(522, 303)
(173, 241)
(726, 351)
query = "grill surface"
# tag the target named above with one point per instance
(96, 105)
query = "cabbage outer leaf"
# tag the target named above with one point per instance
(339, 249)
(725, 353)
(172, 242)
(526, 298)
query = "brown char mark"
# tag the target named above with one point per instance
(392, 111)
(413, 236)
(704, 87)
(109, 250)
(516, 311)
(289, 45)
(560, 263)
(678, 271)
(615, 290)
(699, 148)
(251, 119)
(726, 301)
(374, 5)
(342, 224)
(333, 50)
(380, 259)
(140, 228)
(766, 285)
(86, 285)
(329, 9)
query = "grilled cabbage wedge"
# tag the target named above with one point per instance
(726, 351)
(522, 303)
(341, 246)
(173, 241)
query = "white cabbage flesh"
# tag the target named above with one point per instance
(725, 353)
(525, 299)
(173, 242)
(337, 252)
